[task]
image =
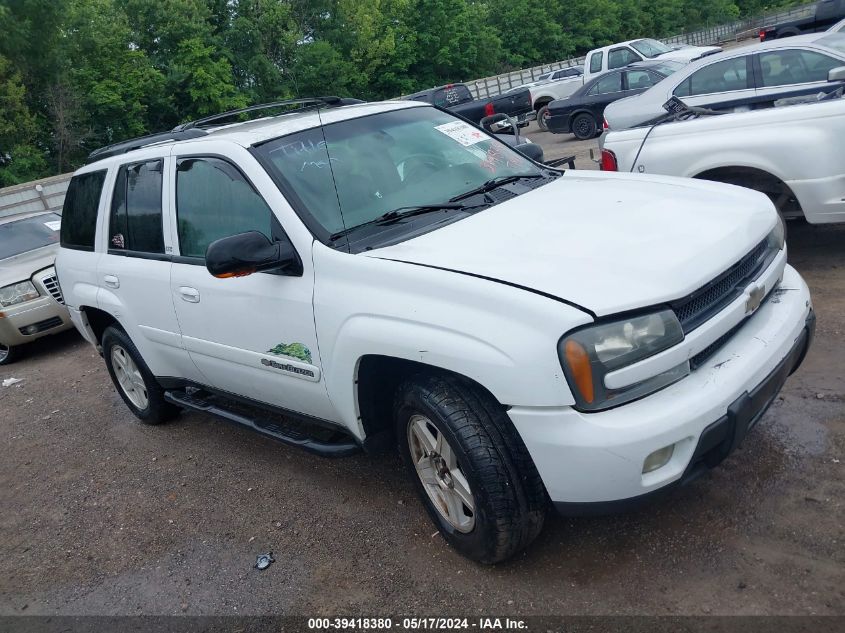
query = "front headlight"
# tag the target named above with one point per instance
(17, 293)
(589, 354)
(777, 238)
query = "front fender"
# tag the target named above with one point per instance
(503, 338)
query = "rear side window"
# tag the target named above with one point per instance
(451, 95)
(135, 223)
(792, 66)
(724, 76)
(214, 200)
(612, 82)
(79, 215)
(595, 61)
(640, 79)
(619, 57)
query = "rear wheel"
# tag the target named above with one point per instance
(584, 126)
(542, 118)
(9, 354)
(133, 379)
(470, 467)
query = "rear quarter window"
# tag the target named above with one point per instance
(79, 214)
(595, 61)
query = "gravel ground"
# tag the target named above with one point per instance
(103, 515)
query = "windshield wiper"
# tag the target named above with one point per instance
(401, 212)
(493, 184)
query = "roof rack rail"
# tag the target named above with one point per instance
(142, 141)
(193, 129)
(308, 101)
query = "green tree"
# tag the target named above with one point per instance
(20, 158)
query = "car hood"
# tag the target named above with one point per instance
(21, 267)
(690, 53)
(606, 242)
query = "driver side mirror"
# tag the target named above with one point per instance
(251, 252)
(836, 74)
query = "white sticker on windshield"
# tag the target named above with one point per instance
(54, 224)
(462, 132)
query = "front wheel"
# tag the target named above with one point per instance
(470, 467)
(9, 353)
(133, 379)
(584, 126)
(542, 118)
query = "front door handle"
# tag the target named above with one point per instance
(111, 281)
(191, 295)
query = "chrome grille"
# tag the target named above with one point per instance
(707, 301)
(51, 283)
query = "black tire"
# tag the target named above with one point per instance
(542, 113)
(584, 126)
(157, 410)
(509, 497)
(9, 354)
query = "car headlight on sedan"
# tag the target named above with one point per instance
(589, 354)
(17, 293)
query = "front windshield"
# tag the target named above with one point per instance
(650, 48)
(368, 166)
(21, 236)
(667, 68)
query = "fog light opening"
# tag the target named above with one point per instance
(32, 329)
(658, 459)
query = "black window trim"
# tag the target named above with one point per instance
(623, 48)
(139, 254)
(93, 247)
(276, 227)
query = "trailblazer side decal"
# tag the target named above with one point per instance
(292, 350)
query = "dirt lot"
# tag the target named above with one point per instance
(102, 515)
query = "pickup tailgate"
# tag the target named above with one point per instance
(513, 103)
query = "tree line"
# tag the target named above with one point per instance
(79, 74)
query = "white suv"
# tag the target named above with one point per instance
(347, 276)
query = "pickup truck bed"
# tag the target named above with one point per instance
(791, 153)
(825, 15)
(457, 98)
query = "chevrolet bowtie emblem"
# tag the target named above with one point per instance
(755, 298)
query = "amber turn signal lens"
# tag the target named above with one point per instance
(240, 273)
(579, 364)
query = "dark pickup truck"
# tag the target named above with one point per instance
(826, 14)
(458, 99)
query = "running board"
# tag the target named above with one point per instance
(338, 444)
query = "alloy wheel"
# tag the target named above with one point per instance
(129, 377)
(440, 473)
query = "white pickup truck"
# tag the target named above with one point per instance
(791, 153)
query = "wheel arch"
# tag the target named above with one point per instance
(377, 379)
(539, 102)
(755, 178)
(96, 321)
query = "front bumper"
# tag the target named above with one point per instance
(593, 462)
(45, 315)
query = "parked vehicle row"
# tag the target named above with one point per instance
(739, 79)
(582, 114)
(792, 153)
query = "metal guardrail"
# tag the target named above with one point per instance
(47, 194)
(733, 31)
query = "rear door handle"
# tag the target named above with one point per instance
(191, 295)
(111, 281)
